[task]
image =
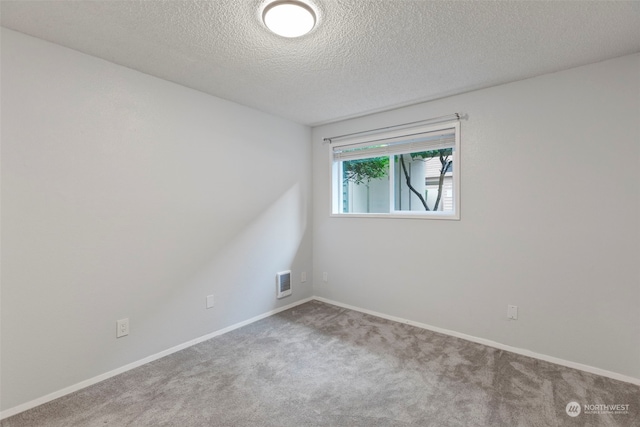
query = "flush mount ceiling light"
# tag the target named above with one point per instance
(289, 18)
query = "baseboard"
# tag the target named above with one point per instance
(83, 384)
(494, 344)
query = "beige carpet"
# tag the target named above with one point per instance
(320, 365)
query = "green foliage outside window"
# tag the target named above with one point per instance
(362, 171)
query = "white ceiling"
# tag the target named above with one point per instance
(363, 56)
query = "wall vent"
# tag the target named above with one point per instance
(283, 284)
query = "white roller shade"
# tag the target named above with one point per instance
(411, 141)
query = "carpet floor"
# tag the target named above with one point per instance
(321, 365)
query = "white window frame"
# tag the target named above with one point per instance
(336, 175)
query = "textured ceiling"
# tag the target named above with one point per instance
(363, 56)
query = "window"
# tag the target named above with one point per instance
(411, 172)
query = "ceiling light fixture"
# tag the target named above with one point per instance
(289, 18)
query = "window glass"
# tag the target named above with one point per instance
(395, 174)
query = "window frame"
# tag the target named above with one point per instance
(336, 179)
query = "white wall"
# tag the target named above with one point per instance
(538, 156)
(128, 196)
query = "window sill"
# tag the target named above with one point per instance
(405, 215)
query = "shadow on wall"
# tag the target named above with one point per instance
(244, 270)
(240, 273)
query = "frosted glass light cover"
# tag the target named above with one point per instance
(289, 18)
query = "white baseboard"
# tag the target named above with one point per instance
(86, 383)
(524, 352)
(67, 390)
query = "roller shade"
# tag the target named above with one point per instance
(387, 145)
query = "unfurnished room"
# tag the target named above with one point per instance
(351, 213)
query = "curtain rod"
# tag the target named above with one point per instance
(456, 116)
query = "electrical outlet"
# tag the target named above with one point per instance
(512, 312)
(325, 276)
(210, 301)
(303, 277)
(122, 327)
